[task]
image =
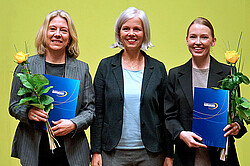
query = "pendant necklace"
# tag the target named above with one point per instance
(131, 67)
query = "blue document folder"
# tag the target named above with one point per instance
(210, 115)
(65, 93)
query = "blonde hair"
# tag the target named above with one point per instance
(129, 13)
(72, 48)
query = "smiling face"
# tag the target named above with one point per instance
(199, 40)
(132, 34)
(57, 34)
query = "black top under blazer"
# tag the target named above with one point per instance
(27, 138)
(179, 112)
(109, 92)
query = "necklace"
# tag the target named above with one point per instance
(133, 66)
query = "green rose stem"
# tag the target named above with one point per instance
(50, 132)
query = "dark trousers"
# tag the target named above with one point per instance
(47, 158)
(137, 157)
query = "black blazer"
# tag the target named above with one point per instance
(179, 112)
(109, 90)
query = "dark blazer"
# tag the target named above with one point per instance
(179, 112)
(109, 91)
(27, 138)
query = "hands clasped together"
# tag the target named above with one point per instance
(62, 127)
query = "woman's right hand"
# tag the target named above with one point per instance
(96, 159)
(189, 138)
(37, 114)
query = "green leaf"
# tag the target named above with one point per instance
(240, 117)
(246, 116)
(23, 91)
(238, 100)
(243, 99)
(216, 88)
(39, 82)
(48, 108)
(245, 79)
(19, 74)
(236, 80)
(233, 94)
(37, 105)
(228, 84)
(24, 71)
(46, 99)
(25, 100)
(44, 90)
(245, 104)
(26, 80)
(238, 74)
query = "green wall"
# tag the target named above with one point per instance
(95, 19)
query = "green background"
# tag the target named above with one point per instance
(95, 20)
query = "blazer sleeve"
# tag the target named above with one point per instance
(169, 146)
(96, 127)
(170, 107)
(20, 112)
(86, 112)
(243, 129)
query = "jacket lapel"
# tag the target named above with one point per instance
(185, 79)
(117, 71)
(148, 70)
(70, 68)
(39, 67)
(215, 74)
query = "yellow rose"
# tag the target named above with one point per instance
(232, 56)
(20, 57)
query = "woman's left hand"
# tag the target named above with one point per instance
(234, 129)
(63, 127)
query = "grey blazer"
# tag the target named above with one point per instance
(27, 138)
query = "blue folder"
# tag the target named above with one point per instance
(210, 115)
(65, 93)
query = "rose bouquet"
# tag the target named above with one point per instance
(33, 93)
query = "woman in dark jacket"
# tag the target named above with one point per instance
(202, 70)
(129, 88)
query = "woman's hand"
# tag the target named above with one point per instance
(234, 129)
(168, 161)
(189, 138)
(63, 127)
(96, 159)
(37, 114)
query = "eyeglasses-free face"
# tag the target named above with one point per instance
(132, 34)
(200, 40)
(58, 35)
